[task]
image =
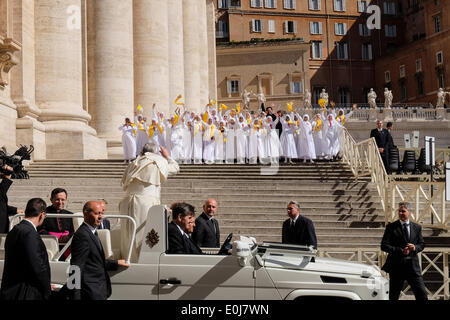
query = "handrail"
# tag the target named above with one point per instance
(427, 197)
(80, 215)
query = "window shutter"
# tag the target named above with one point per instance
(345, 28)
(267, 3)
(335, 5)
(262, 25)
(310, 5)
(345, 51)
(294, 4)
(385, 7)
(318, 2)
(386, 30)
(320, 27)
(369, 49)
(336, 28)
(253, 25)
(343, 5)
(311, 27)
(285, 27)
(253, 3)
(361, 31)
(320, 49)
(229, 86)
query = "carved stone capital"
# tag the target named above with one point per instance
(7, 59)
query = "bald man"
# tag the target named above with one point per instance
(206, 232)
(89, 257)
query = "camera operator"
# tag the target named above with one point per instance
(5, 209)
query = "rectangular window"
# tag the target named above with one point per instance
(256, 3)
(362, 6)
(363, 30)
(342, 50)
(389, 7)
(317, 49)
(340, 29)
(437, 23)
(290, 27)
(315, 27)
(222, 4)
(339, 5)
(439, 58)
(441, 80)
(344, 95)
(270, 4)
(296, 85)
(367, 51)
(419, 86)
(289, 4)
(404, 90)
(235, 3)
(314, 5)
(222, 29)
(233, 86)
(387, 76)
(418, 65)
(390, 31)
(271, 26)
(257, 25)
(402, 71)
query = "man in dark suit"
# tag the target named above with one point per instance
(62, 228)
(26, 273)
(298, 229)
(206, 232)
(89, 257)
(179, 230)
(381, 136)
(403, 240)
(5, 209)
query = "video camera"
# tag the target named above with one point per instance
(15, 162)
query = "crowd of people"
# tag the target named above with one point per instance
(231, 135)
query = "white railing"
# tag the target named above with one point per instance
(80, 215)
(428, 198)
(433, 261)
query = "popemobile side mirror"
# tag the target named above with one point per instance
(241, 250)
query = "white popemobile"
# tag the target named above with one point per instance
(241, 269)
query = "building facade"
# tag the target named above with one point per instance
(72, 70)
(416, 70)
(342, 48)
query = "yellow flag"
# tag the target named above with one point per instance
(289, 107)
(238, 107)
(205, 116)
(178, 98)
(322, 103)
(139, 108)
(224, 107)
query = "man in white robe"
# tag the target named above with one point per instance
(142, 182)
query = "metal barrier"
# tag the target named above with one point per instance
(433, 261)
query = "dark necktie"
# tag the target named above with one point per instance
(212, 223)
(405, 230)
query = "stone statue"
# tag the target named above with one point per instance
(441, 98)
(307, 103)
(261, 98)
(324, 95)
(388, 98)
(246, 99)
(371, 97)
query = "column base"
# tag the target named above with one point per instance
(74, 145)
(31, 132)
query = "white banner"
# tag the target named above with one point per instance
(429, 151)
(415, 139)
(407, 141)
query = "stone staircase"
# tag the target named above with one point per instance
(345, 213)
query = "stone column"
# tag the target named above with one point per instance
(212, 65)
(29, 131)
(59, 81)
(191, 27)
(203, 53)
(176, 60)
(151, 55)
(112, 90)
